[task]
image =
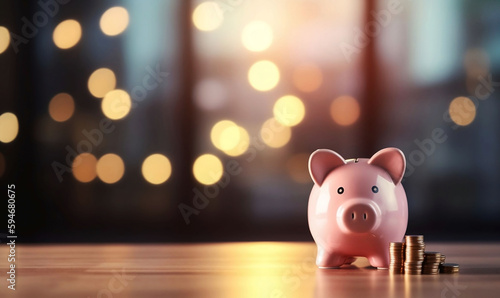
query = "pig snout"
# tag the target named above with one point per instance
(358, 216)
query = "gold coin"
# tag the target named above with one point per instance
(449, 268)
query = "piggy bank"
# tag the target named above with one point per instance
(357, 206)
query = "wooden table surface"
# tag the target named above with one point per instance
(248, 269)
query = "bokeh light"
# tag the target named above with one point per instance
(345, 110)
(462, 111)
(84, 167)
(4, 39)
(61, 107)
(156, 169)
(225, 135)
(101, 82)
(207, 169)
(208, 16)
(257, 36)
(230, 138)
(67, 34)
(210, 94)
(289, 110)
(2, 165)
(297, 167)
(274, 134)
(242, 145)
(263, 75)
(110, 168)
(307, 77)
(9, 127)
(116, 104)
(114, 21)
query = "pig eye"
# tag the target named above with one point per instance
(340, 190)
(374, 189)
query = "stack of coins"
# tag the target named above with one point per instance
(396, 253)
(449, 268)
(431, 263)
(416, 261)
(414, 254)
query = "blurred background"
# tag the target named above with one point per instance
(178, 120)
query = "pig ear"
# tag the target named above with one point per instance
(322, 162)
(392, 160)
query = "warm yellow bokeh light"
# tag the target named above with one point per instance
(156, 169)
(345, 110)
(208, 16)
(4, 39)
(110, 168)
(225, 135)
(462, 111)
(307, 77)
(297, 168)
(243, 143)
(9, 127)
(275, 134)
(67, 34)
(230, 138)
(207, 169)
(264, 75)
(289, 110)
(61, 107)
(114, 21)
(257, 36)
(84, 167)
(116, 104)
(101, 82)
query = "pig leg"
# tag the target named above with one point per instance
(349, 260)
(327, 259)
(380, 258)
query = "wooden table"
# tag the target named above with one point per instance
(250, 269)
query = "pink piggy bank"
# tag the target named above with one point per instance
(357, 206)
